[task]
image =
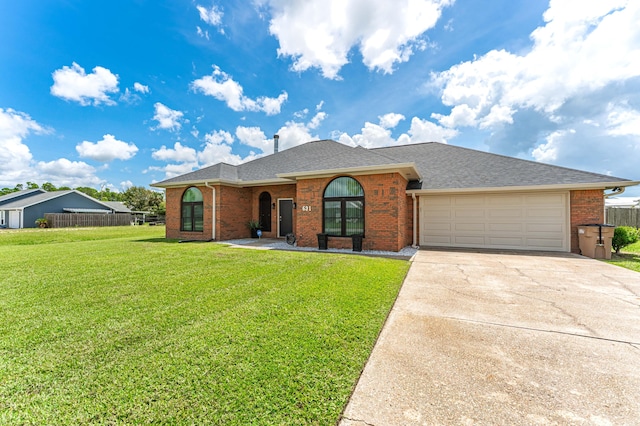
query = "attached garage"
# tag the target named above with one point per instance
(523, 221)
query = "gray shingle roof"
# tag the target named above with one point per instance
(34, 199)
(446, 166)
(25, 192)
(441, 166)
(311, 156)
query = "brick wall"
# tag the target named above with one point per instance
(276, 192)
(386, 214)
(174, 202)
(586, 207)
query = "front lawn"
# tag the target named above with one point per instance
(117, 325)
(629, 257)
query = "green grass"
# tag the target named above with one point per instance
(117, 325)
(629, 257)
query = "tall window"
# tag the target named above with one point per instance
(343, 207)
(192, 210)
(265, 211)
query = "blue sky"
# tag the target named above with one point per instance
(120, 93)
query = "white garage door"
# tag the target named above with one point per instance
(527, 221)
(14, 219)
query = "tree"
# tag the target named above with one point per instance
(624, 236)
(91, 192)
(49, 187)
(138, 198)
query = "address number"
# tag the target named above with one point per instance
(306, 208)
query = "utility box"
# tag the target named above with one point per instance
(594, 240)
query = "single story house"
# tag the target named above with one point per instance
(428, 194)
(21, 209)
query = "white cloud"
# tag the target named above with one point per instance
(217, 149)
(141, 88)
(581, 48)
(15, 155)
(202, 33)
(321, 33)
(124, 185)
(74, 84)
(130, 97)
(212, 16)
(317, 120)
(379, 135)
(172, 170)
(391, 120)
(571, 99)
(221, 86)
(108, 149)
(167, 118)
(622, 120)
(63, 172)
(179, 153)
(16, 160)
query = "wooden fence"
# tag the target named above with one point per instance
(72, 220)
(623, 217)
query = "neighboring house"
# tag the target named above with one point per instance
(15, 196)
(22, 210)
(428, 194)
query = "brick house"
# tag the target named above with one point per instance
(428, 194)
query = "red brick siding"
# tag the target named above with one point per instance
(174, 202)
(386, 214)
(587, 206)
(276, 192)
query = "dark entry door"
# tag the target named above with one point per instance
(285, 212)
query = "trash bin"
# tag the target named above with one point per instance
(594, 240)
(322, 241)
(356, 240)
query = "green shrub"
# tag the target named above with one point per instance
(623, 236)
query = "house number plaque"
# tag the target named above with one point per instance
(306, 208)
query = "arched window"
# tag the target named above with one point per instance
(265, 211)
(192, 210)
(343, 212)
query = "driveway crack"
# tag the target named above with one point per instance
(358, 421)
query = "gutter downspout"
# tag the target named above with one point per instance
(616, 191)
(415, 220)
(213, 211)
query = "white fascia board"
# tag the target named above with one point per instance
(408, 170)
(558, 187)
(235, 183)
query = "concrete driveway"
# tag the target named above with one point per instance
(479, 338)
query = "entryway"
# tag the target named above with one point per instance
(285, 217)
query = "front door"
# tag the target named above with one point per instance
(285, 217)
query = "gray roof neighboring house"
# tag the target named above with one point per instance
(429, 167)
(14, 196)
(117, 206)
(46, 196)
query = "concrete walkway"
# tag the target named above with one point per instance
(479, 338)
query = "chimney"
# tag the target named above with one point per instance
(275, 143)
